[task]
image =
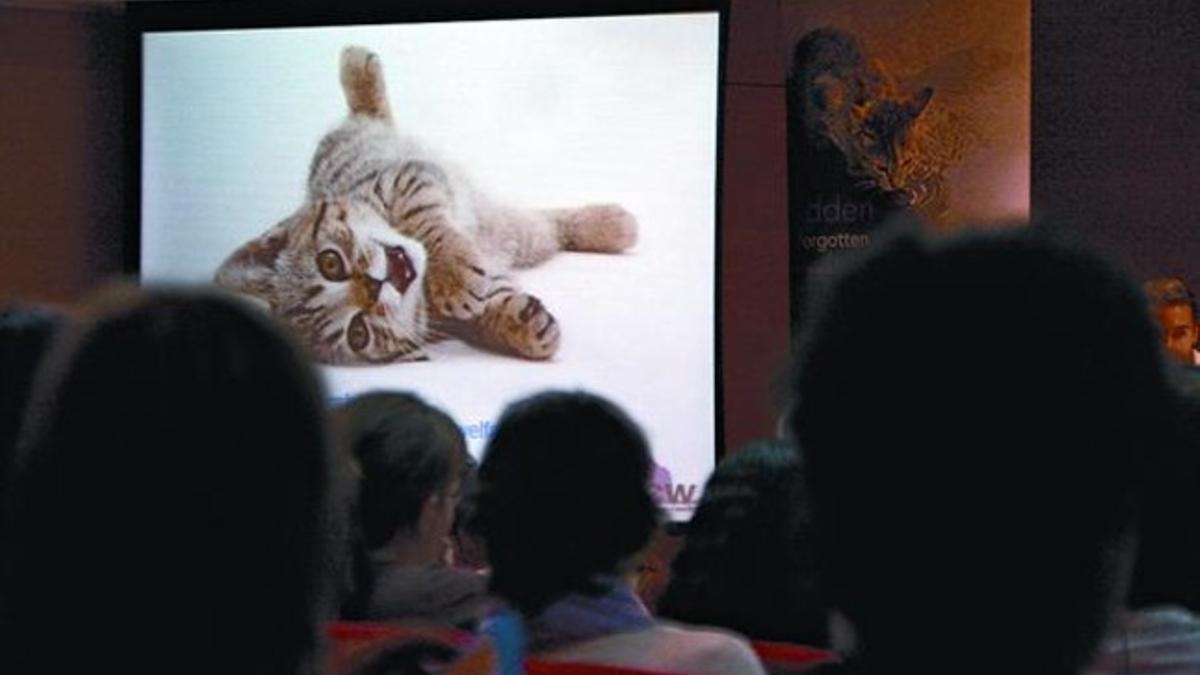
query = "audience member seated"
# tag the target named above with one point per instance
(468, 550)
(24, 338)
(411, 460)
(746, 563)
(1174, 307)
(564, 508)
(975, 484)
(1159, 632)
(169, 498)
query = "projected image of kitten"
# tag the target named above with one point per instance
(395, 248)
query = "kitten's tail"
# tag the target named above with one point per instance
(362, 82)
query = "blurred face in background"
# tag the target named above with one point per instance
(1178, 325)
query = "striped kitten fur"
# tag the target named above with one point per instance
(395, 247)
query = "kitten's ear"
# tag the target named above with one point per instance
(252, 268)
(916, 104)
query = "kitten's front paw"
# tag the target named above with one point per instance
(522, 324)
(457, 287)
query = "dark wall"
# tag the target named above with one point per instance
(61, 151)
(1116, 128)
(754, 237)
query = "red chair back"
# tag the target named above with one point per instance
(786, 657)
(351, 642)
(543, 667)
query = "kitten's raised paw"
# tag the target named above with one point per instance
(521, 324)
(601, 228)
(457, 286)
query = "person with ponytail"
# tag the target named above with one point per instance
(410, 461)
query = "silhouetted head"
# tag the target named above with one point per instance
(25, 335)
(746, 562)
(169, 499)
(563, 496)
(1168, 536)
(975, 483)
(1174, 307)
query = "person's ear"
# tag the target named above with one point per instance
(427, 520)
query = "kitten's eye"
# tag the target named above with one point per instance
(330, 265)
(357, 334)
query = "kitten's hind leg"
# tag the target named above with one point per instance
(600, 228)
(523, 238)
(513, 237)
(362, 82)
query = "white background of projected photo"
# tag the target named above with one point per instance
(538, 113)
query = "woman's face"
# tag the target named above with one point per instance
(445, 504)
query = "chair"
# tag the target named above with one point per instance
(785, 657)
(544, 667)
(351, 643)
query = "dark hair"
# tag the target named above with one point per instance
(170, 496)
(469, 550)
(563, 496)
(25, 335)
(1168, 532)
(972, 480)
(746, 562)
(1167, 292)
(406, 451)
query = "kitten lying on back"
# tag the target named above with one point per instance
(394, 243)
